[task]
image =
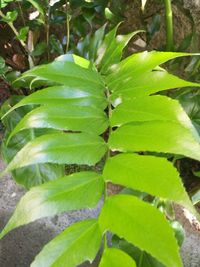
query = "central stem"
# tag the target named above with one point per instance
(169, 25)
(108, 153)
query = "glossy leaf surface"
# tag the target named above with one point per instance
(64, 194)
(66, 73)
(139, 63)
(156, 136)
(146, 84)
(161, 179)
(78, 243)
(68, 118)
(142, 225)
(113, 257)
(63, 95)
(150, 109)
(69, 148)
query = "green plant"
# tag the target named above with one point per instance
(108, 111)
(47, 29)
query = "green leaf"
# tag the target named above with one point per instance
(146, 84)
(95, 42)
(65, 95)
(179, 232)
(39, 49)
(3, 68)
(2, 63)
(10, 16)
(139, 63)
(142, 225)
(4, 3)
(110, 52)
(79, 190)
(78, 243)
(161, 179)
(150, 108)
(23, 33)
(63, 148)
(105, 46)
(55, 45)
(62, 117)
(156, 136)
(141, 258)
(113, 257)
(66, 73)
(31, 175)
(191, 103)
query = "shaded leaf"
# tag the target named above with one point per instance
(31, 175)
(95, 42)
(142, 258)
(110, 52)
(191, 104)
